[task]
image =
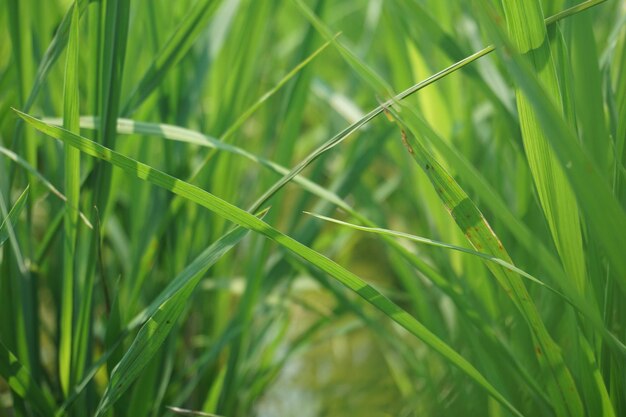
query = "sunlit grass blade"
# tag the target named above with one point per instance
(10, 220)
(186, 412)
(533, 244)
(9, 230)
(580, 304)
(176, 203)
(427, 241)
(249, 221)
(126, 126)
(22, 383)
(72, 189)
(53, 52)
(183, 280)
(353, 60)
(492, 200)
(603, 213)
(232, 129)
(480, 234)
(110, 41)
(562, 385)
(374, 79)
(268, 94)
(179, 43)
(525, 23)
(180, 134)
(19, 22)
(589, 104)
(604, 216)
(161, 318)
(345, 133)
(36, 174)
(112, 50)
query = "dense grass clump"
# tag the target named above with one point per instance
(313, 208)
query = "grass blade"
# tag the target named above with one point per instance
(160, 319)
(525, 22)
(603, 213)
(248, 221)
(36, 174)
(72, 189)
(427, 241)
(353, 60)
(10, 220)
(580, 304)
(22, 383)
(53, 52)
(245, 92)
(478, 232)
(179, 43)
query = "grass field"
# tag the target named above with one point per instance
(313, 208)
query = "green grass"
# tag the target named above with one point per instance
(463, 163)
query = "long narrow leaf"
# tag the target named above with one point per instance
(602, 211)
(12, 217)
(36, 174)
(179, 43)
(22, 383)
(245, 219)
(161, 318)
(480, 234)
(71, 115)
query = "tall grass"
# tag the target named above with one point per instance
(313, 207)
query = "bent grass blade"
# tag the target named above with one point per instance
(249, 221)
(22, 383)
(479, 233)
(8, 223)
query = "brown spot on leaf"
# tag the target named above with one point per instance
(388, 114)
(406, 143)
